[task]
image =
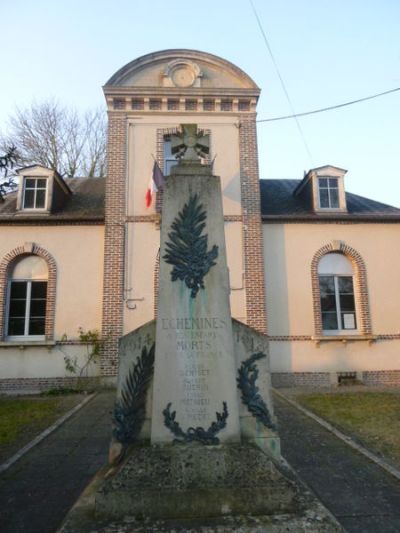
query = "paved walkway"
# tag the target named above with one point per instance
(362, 496)
(37, 492)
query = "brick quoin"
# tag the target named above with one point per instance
(252, 227)
(113, 295)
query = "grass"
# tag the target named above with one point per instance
(371, 418)
(22, 418)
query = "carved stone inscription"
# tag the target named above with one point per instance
(195, 341)
(195, 368)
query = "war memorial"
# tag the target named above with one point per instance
(195, 444)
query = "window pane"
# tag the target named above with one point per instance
(41, 183)
(18, 289)
(323, 182)
(29, 198)
(347, 302)
(38, 308)
(169, 163)
(30, 183)
(16, 326)
(345, 284)
(329, 321)
(40, 199)
(334, 194)
(36, 326)
(39, 289)
(326, 285)
(333, 183)
(17, 308)
(328, 303)
(323, 198)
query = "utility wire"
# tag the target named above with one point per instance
(329, 108)
(294, 115)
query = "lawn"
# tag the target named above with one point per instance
(23, 418)
(371, 418)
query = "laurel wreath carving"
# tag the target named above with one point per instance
(130, 409)
(198, 434)
(246, 380)
(187, 250)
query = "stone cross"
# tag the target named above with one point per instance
(190, 144)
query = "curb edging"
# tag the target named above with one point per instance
(20, 453)
(342, 436)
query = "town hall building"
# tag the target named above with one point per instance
(312, 267)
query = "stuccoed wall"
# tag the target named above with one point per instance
(78, 253)
(31, 362)
(288, 252)
(143, 237)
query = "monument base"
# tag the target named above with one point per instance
(197, 488)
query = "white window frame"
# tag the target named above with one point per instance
(26, 335)
(337, 265)
(168, 157)
(36, 178)
(328, 188)
(341, 330)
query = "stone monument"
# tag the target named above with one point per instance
(194, 434)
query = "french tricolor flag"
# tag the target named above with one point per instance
(157, 182)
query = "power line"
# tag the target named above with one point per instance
(328, 108)
(294, 115)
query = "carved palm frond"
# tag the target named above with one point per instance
(246, 380)
(130, 409)
(187, 250)
(197, 434)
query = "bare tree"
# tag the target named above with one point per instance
(7, 178)
(94, 160)
(59, 138)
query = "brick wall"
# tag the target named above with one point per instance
(113, 295)
(369, 378)
(381, 377)
(252, 228)
(24, 385)
(300, 379)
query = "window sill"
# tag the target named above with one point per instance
(30, 212)
(22, 344)
(344, 339)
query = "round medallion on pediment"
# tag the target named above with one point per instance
(182, 73)
(183, 76)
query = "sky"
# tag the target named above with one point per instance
(328, 52)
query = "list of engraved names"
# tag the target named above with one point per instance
(196, 341)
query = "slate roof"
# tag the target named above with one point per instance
(279, 203)
(86, 204)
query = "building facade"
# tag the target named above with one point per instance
(311, 266)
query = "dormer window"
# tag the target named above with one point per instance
(34, 193)
(328, 189)
(322, 189)
(41, 191)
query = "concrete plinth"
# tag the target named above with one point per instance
(196, 481)
(193, 488)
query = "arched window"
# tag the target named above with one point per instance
(27, 298)
(340, 293)
(338, 307)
